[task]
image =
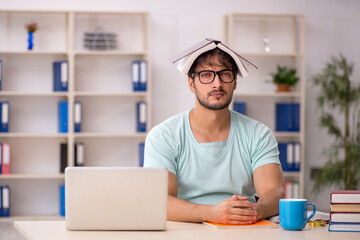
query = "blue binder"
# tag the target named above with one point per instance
(62, 200)
(5, 112)
(0, 74)
(141, 118)
(63, 117)
(240, 107)
(139, 75)
(77, 116)
(0, 158)
(289, 156)
(288, 117)
(5, 201)
(135, 75)
(141, 154)
(143, 75)
(61, 76)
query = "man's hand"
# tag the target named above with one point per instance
(235, 210)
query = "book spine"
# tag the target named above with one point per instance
(1, 202)
(345, 217)
(63, 117)
(1, 158)
(288, 189)
(240, 107)
(79, 154)
(141, 154)
(288, 117)
(345, 197)
(1, 66)
(296, 117)
(5, 201)
(283, 156)
(5, 156)
(141, 116)
(143, 75)
(135, 75)
(62, 200)
(297, 152)
(63, 157)
(5, 108)
(77, 116)
(61, 76)
(296, 189)
(290, 156)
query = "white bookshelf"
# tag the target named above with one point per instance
(244, 34)
(99, 79)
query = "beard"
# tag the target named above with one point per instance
(214, 106)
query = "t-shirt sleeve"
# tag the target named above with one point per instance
(265, 147)
(160, 149)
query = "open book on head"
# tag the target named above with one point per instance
(187, 57)
(258, 224)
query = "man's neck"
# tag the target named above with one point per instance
(210, 125)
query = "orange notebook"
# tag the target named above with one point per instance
(258, 224)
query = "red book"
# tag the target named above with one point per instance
(344, 217)
(5, 155)
(345, 197)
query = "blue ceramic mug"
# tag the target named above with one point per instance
(293, 213)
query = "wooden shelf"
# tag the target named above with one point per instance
(33, 94)
(32, 135)
(269, 94)
(29, 176)
(110, 94)
(32, 52)
(109, 53)
(271, 55)
(32, 218)
(109, 135)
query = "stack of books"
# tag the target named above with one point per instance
(345, 211)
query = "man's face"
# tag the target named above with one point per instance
(216, 95)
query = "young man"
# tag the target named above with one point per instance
(217, 159)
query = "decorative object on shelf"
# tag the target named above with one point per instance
(31, 28)
(339, 103)
(285, 77)
(266, 42)
(100, 40)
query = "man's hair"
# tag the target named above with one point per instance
(205, 58)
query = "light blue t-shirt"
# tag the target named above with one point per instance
(209, 173)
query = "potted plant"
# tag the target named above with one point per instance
(339, 104)
(284, 78)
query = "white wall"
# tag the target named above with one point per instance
(331, 28)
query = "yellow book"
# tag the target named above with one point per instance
(345, 207)
(258, 224)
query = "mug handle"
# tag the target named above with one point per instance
(313, 212)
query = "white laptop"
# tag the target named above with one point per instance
(115, 198)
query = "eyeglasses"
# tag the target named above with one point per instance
(208, 76)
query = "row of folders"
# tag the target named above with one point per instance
(80, 158)
(63, 116)
(141, 116)
(287, 115)
(139, 75)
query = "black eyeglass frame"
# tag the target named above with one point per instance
(215, 73)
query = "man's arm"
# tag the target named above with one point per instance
(269, 185)
(235, 210)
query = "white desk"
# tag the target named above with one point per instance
(55, 230)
